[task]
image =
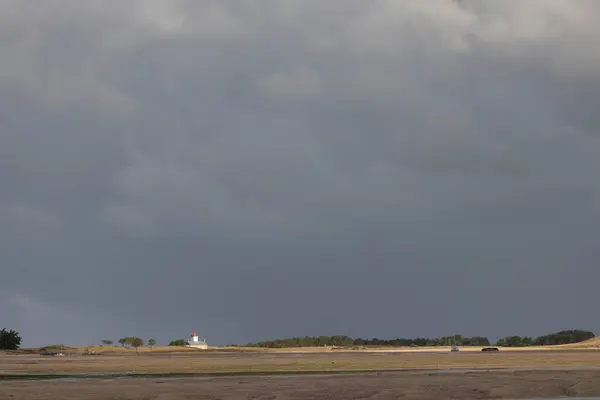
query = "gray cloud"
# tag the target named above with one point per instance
(378, 169)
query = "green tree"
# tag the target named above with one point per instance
(151, 343)
(178, 342)
(9, 339)
(515, 341)
(107, 342)
(127, 341)
(137, 343)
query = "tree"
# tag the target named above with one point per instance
(136, 342)
(107, 342)
(9, 339)
(564, 337)
(127, 341)
(178, 342)
(151, 343)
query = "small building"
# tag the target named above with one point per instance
(196, 342)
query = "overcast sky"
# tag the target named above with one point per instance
(255, 170)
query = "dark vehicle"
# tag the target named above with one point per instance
(490, 349)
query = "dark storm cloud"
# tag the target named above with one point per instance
(252, 171)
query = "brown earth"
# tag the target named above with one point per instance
(195, 362)
(373, 386)
(563, 375)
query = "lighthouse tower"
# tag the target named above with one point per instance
(196, 342)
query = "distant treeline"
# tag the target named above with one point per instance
(339, 340)
(562, 337)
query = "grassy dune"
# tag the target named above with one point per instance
(119, 350)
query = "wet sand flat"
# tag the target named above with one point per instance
(382, 386)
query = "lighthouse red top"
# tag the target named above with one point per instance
(194, 334)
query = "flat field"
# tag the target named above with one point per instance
(254, 362)
(302, 375)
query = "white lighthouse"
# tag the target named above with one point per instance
(196, 342)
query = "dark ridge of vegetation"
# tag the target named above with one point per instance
(562, 337)
(346, 341)
(178, 342)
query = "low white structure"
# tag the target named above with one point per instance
(196, 342)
